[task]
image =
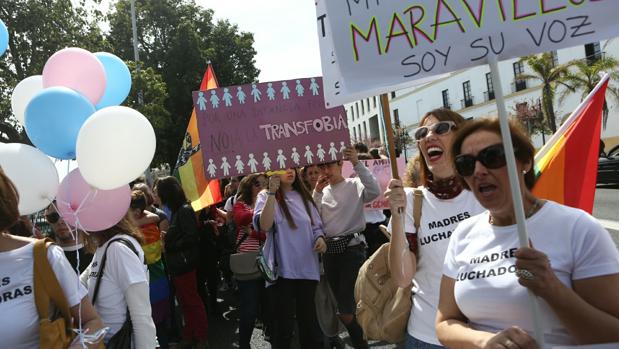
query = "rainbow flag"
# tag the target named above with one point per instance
(189, 168)
(566, 167)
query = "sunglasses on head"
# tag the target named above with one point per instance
(52, 217)
(491, 157)
(259, 184)
(440, 128)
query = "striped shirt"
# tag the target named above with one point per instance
(243, 218)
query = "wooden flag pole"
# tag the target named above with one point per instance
(384, 104)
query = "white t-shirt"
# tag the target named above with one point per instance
(19, 320)
(480, 259)
(439, 219)
(122, 269)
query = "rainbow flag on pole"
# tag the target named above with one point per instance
(566, 167)
(189, 168)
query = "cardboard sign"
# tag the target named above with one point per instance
(268, 126)
(381, 169)
(378, 46)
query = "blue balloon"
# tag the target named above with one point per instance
(118, 80)
(54, 117)
(4, 38)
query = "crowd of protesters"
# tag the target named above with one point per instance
(164, 262)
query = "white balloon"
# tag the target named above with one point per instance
(23, 93)
(114, 146)
(33, 174)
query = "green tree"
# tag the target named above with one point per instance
(154, 92)
(37, 29)
(550, 75)
(586, 76)
(176, 39)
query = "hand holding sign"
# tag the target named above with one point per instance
(322, 182)
(351, 155)
(274, 183)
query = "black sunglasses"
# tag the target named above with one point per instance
(52, 217)
(440, 128)
(491, 157)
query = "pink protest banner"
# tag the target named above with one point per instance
(267, 127)
(381, 169)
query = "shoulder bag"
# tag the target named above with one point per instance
(243, 264)
(270, 274)
(383, 308)
(55, 333)
(122, 338)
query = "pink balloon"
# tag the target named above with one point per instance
(77, 69)
(92, 209)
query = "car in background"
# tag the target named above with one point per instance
(608, 167)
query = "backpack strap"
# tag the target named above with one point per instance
(417, 201)
(104, 259)
(46, 285)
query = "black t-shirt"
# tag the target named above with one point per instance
(85, 258)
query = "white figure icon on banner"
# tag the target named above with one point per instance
(240, 94)
(296, 158)
(201, 101)
(320, 153)
(255, 92)
(270, 91)
(214, 99)
(239, 164)
(281, 159)
(211, 168)
(333, 151)
(227, 97)
(225, 166)
(314, 86)
(285, 90)
(300, 89)
(252, 163)
(266, 161)
(309, 156)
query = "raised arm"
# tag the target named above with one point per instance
(267, 214)
(371, 188)
(402, 262)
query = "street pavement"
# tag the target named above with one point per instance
(223, 329)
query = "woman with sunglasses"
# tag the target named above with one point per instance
(572, 264)
(286, 212)
(418, 255)
(248, 240)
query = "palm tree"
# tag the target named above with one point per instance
(586, 76)
(550, 75)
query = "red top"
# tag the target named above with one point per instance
(243, 215)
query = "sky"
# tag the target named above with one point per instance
(285, 36)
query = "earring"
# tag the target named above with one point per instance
(524, 172)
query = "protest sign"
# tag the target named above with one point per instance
(268, 126)
(381, 169)
(378, 46)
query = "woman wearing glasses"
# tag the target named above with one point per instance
(418, 256)
(295, 235)
(248, 240)
(572, 264)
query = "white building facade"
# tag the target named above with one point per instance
(470, 92)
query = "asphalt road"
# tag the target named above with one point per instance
(223, 330)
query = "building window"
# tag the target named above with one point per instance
(393, 94)
(357, 107)
(446, 103)
(468, 98)
(362, 108)
(396, 117)
(593, 52)
(489, 94)
(352, 113)
(374, 101)
(367, 101)
(519, 84)
(355, 132)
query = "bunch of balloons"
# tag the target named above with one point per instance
(72, 111)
